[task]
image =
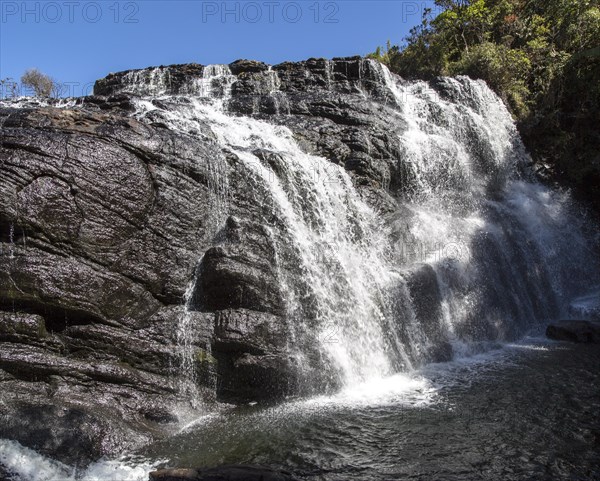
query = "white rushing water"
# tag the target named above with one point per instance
(496, 241)
(505, 251)
(338, 239)
(27, 465)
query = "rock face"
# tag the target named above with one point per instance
(575, 331)
(179, 78)
(138, 249)
(100, 234)
(104, 223)
(222, 473)
(427, 304)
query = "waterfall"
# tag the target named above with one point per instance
(515, 244)
(214, 84)
(501, 248)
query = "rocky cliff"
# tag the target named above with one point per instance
(154, 260)
(103, 222)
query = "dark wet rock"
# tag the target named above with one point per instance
(322, 102)
(248, 377)
(248, 331)
(180, 77)
(252, 360)
(427, 304)
(425, 295)
(241, 272)
(241, 66)
(222, 473)
(21, 327)
(71, 434)
(133, 208)
(575, 331)
(101, 226)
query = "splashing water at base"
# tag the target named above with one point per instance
(28, 465)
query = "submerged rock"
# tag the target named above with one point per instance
(575, 331)
(222, 473)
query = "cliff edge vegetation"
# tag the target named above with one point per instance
(542, 58)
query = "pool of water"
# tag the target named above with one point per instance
(528, 410)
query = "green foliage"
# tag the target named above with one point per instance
(518, 47)
(203, 357)
(541, 57)
(504, 69)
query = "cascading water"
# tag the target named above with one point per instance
(337, 241)
(510, 237)
(214, 85)
(453, 248)
(495, 241)
(214, 76)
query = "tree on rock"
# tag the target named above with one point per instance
(41, 84)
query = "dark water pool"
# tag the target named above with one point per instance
(526, 411)
(530, 410)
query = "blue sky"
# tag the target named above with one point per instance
(80, 41)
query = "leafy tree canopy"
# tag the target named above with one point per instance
(541, 57)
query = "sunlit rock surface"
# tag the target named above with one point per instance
(192, 234)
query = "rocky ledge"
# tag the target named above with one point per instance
(105, 220)
(222, 473)
(575, 331)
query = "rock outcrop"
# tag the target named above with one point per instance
(105, 221)
(100, 233)
(222, 473)
(140, 253)
(575, 331)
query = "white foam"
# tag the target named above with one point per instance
(398, 389)
(28, 465)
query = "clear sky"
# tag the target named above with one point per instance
(80, 41)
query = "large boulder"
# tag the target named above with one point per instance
(234, 472)
(240, 272)
(253, 363)
(575, 331)
(426, 302)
